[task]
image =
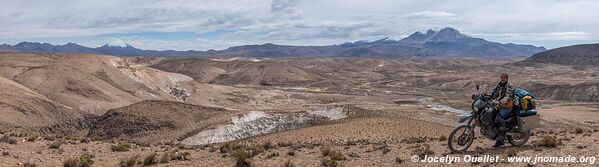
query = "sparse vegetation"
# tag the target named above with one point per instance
(164, 158)
(284, 144)
(325, 151)
(7, 139)
(5, 153)
(242, 157)
(291, 153)
(120, 147)
(128, 162)
(288, 163)
(228, 147)
(414, 140)
(55, 144)
(422, 150)
(398, 160)
(29, 164)
(271, 155)
(71, 162)
(383, 147)
(331, 157)
(84, 140)
(547, 141)
(84, 160)
(150, 159)
(32, 138)
(578, 130)
(442, 138)
(180, 156)
(511, 153)
(329, 162)
(268, 145)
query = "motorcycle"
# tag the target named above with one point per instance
(517, 129)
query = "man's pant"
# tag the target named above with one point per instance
(502, 115)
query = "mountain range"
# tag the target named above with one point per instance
(446, 42)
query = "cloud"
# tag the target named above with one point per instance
(574, 35)
(212, 24)
(429, 15)
(283, 5)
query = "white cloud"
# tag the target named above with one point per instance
(574, 35)
(304, 22)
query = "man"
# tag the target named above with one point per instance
(503, 99)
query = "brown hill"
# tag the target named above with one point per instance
(586, 54)
(152, 120)
(24, 108)
(91, 83)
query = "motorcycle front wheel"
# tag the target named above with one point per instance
(518, 139)
(460, 138)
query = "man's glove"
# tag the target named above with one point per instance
(496, 103)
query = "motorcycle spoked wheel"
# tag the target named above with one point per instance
(519, 139)
(462, 136)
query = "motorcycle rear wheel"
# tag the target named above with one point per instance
(465, 138)
(518, 140)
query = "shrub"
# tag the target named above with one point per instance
(150, 159)
(442, 138)
(12, 141)
(325, 150)
(49, 138)
(547, 141)
(4, 153)
(512, 153)
(242, 157)
(398, 160)
(288, 163)
(386, 150)
(414, 140)
(291, 153)
(84, 140)
(284, 144)
(71, 162)
(55, 144)
(29, 164)
(256, 149)
(274, 154)
(120, 147)
(7, 139)
(336, 155)
(164, 158)
(32, 138)
(228, 147)
(180, 156)
(85, 160)
(328, 162)
(128, 162)
(268, 145)
(578, 130)
(422, 150)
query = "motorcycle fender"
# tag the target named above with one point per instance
(464, 118)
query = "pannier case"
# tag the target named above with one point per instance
(529, 122)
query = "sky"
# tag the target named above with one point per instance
(219, 24)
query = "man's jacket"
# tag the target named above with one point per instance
(504, 93)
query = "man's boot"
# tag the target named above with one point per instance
(498, 143)
(499, 140)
